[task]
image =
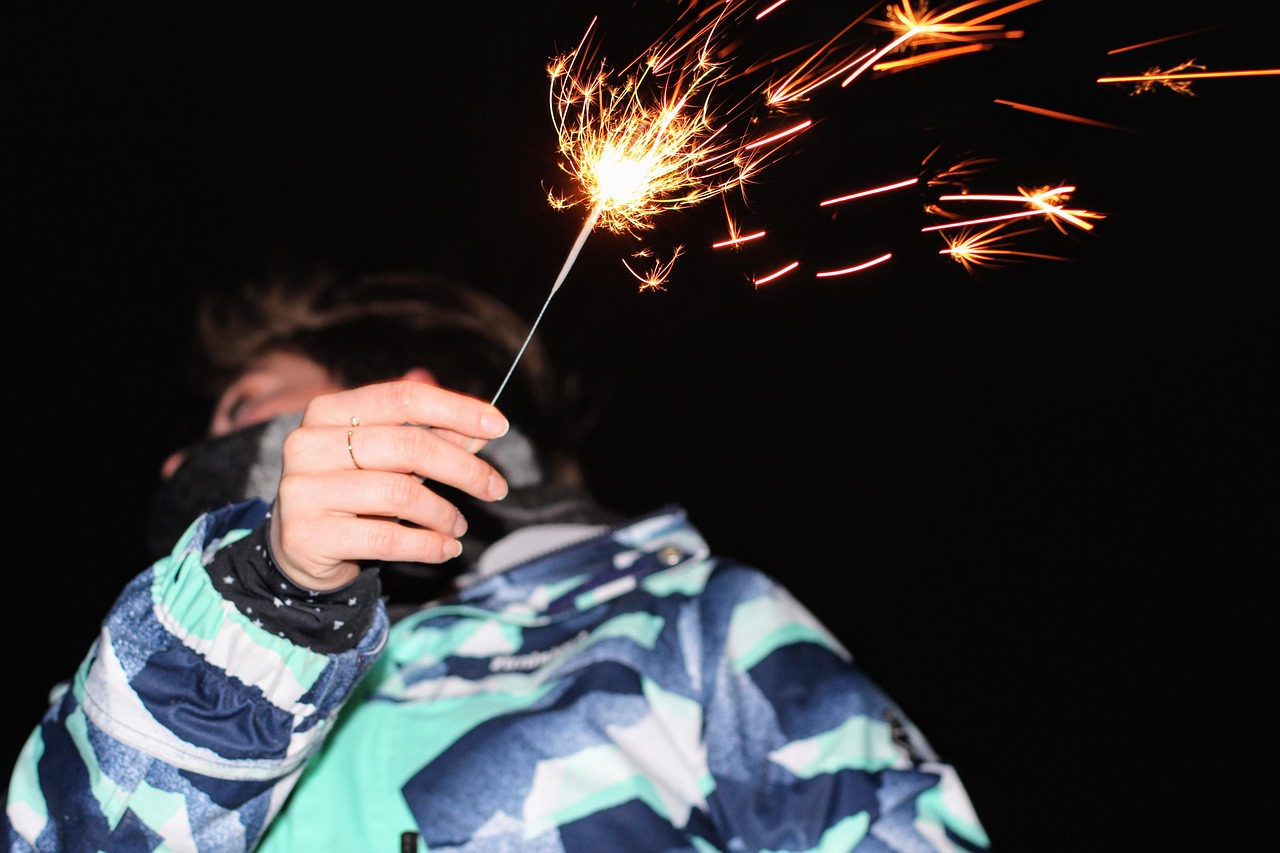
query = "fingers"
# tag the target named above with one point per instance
(331, 496)
(325, 523)
(426, 453)
(406, 401)
(389, 542)
(352, 486)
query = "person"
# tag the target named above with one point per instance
(385, 616)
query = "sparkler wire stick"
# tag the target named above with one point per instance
(564, 272)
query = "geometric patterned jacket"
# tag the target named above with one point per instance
(625, 692)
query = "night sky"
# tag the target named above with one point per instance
(1038, 502)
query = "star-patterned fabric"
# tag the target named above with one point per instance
(326, 622)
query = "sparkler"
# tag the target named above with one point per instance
(654, 137)
(661, 134)
(683, 123)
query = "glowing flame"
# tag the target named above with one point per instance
(642, 142)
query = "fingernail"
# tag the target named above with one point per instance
(494, 424)
(459, 525)
(497, 487)
(452, 548)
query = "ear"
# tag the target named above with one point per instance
(421, 374)
(172, 463)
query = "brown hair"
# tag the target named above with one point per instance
(372, 328)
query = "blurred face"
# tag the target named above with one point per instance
(275, 384)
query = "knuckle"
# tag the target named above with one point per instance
(291, 488)
(403, 394)
(315, 409)
(415, 443)
(293, 541)
(401, 492)
(385, 540)
(295, 445)
(480, 473)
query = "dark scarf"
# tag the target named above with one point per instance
(248, 463)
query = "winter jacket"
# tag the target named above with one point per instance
(627, 691)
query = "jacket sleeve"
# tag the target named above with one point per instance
(189, 720)
(806, 751)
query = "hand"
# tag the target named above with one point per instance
(332, 512)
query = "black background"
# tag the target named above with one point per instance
(1037, 503)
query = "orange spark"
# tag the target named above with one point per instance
(769, 9)
(1181, 82)
(1064, 116)
(820, 68)
(957, 173)
(1116, 50)
(773, 276)
(931, 56)
(1004, 217)
(735, 237)
(658, 274)
(1048, 201)
(922, 28)
(858, 268)
(738, 240)
(973, 249)
(779, 136)
(914, 27)
(882, 189)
